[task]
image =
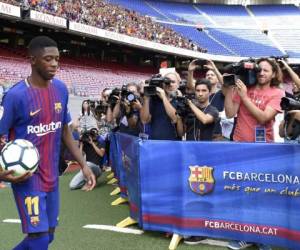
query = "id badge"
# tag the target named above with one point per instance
(143, 136)
(260, 134)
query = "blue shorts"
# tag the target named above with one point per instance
(38, 211)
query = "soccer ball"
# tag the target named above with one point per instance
(19, 155)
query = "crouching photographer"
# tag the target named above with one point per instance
(159, 107)
(290, 126)
(125, 109)
(93, 147)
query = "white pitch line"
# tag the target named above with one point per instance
(115, 229)
(18, 221)
(131, 231)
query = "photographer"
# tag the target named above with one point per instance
(205, 115)
(216, 97)
(127, 108)
(105, 94)
(94, 149)
(289, 128)
(86, 119)
(295, 78)
(256, 107)
(160, 110)
(214, 76)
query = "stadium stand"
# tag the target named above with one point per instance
(277, 16)
(229, 30)
(201, 37)
(13, 2)
(82, 81)
(140, 6)
(248, 43)
(227, 16)
(178, 12)
(289, 40)
(114, 18)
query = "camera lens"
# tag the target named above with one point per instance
(130, 97)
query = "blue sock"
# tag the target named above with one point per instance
(39, 243)
(51, 238)
(22, 245)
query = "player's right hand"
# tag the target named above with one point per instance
(7, 176)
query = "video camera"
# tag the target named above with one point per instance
(182, 107)
(114, 97)
(244, 70)
(153, 82)
(85, 135)
(288, 104)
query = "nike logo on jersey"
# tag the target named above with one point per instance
(33, 113)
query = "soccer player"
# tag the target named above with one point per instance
(35, 109)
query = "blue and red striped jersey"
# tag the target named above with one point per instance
(37, 115)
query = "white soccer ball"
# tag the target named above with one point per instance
(19, 155)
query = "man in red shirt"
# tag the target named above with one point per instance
(255, 108)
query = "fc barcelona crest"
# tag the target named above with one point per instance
(57, 107)
(34, 220)
(201, 179)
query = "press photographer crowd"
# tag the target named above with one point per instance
(238, 102)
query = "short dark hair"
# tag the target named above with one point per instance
(205, 82)
(40, 42)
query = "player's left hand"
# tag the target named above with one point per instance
(90, 178)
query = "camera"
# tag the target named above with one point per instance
(92, 104)
(128, 95)
(153, 82)
(244, 70)
(288, 104)
(101, 108)
(114, 97)
(182, 107)
(85, 136)
(279, 58)
(200, 62)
